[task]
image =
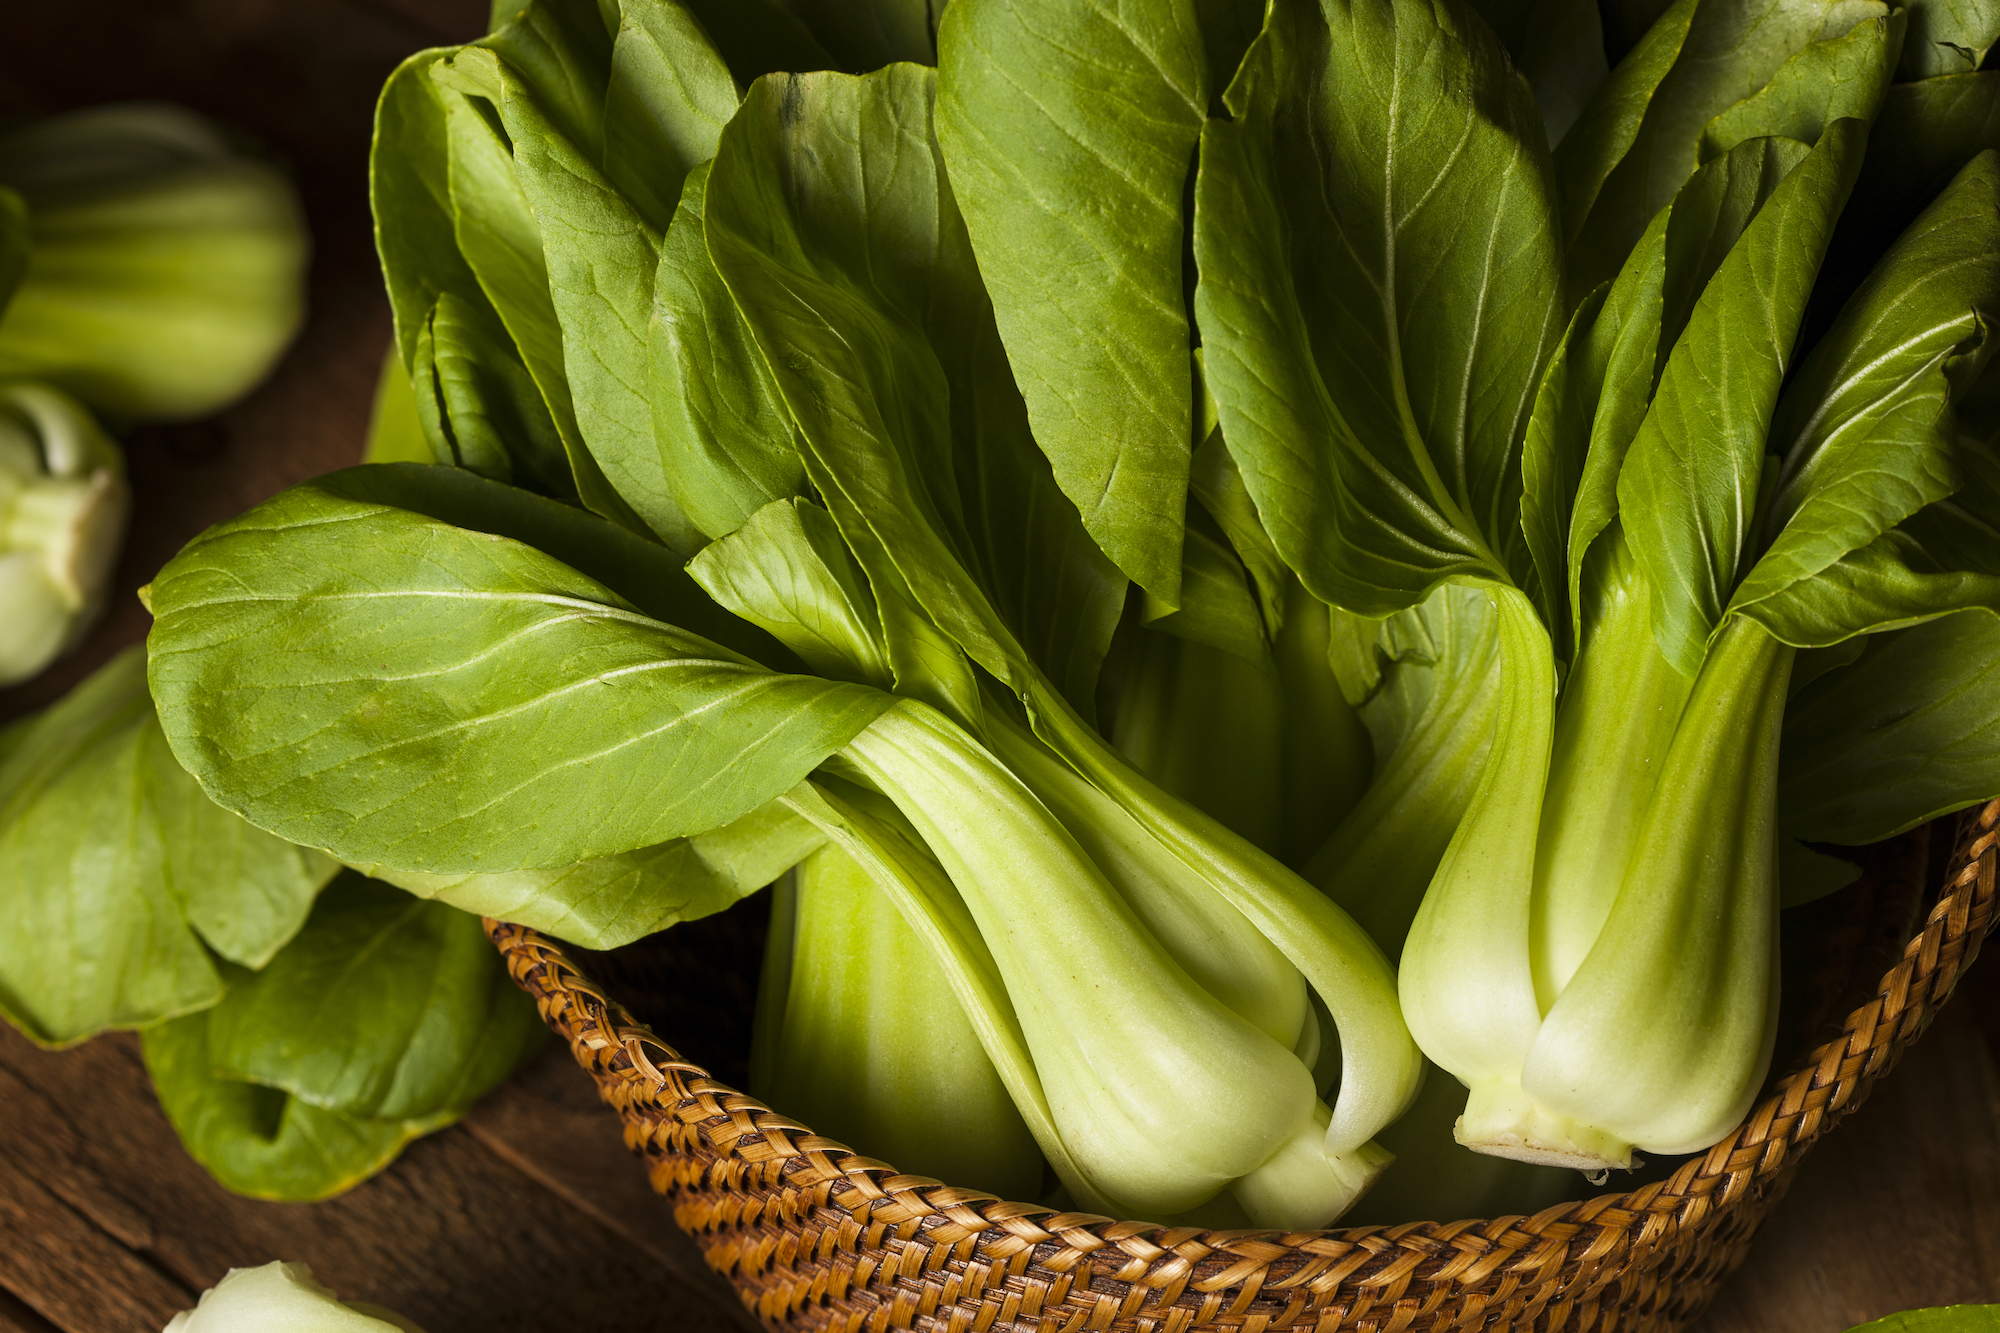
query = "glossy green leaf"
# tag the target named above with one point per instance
(669, 97)
(828, 216)
(601, 255)
(1217, 484)
(1069, 130)
(114, 868)
(1645, 314)
(1217, 606)
(1948, 37)
(1373, 367)
(1864, 428)
(723, 432)
(409, 180)
(395, 432)
(1829, 80)
(403, 692)
(642, 572)
(610, 901)
(258, 1141)
(1909, 732)
(1732, 49)
(787, 571)
(1689, 485)
(562, 51)
(1553, 457)
(384, 1006)
(482, 402)
(1607, 126)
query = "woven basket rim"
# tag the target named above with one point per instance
(707, 1138)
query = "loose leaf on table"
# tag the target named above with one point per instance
(1909, 732)
(384, 1006)
(114, 868)
(1373, 367)
(1865, 428)
(829, 217)
(403, 692)
(259, 1141)
(723, 432)
(1069, 130)
(1689, 486)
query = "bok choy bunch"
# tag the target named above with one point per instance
(753, 339)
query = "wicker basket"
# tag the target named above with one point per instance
(816, 1236)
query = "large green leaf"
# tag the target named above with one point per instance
(669, 97)
(114, 868)
(409, 177)
(1948, 37)
(259, 1141)
(403, 692)
(1069, 129)
(787, 571)
(1732, 49)
(1380, 283)
(1689, 486)
(1942, 1319)
(385, 1006)
(642, 572)
(1864, 428)
(600, 254)
(609, 901)
(1607, 126)
(723, 432)
(829, 217)
(1644, 316)
(1843, 76)
(1909, 732)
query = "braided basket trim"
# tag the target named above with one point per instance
(818, 1237)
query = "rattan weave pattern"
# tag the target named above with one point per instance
(818, 1237)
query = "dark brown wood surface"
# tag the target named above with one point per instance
(530, 1215)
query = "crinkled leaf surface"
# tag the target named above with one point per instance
(114, 867)
(1069, 130)
(1842, 76)
(1909, 732)
(385, 1006)
(1689, 486)
(1380, 282)
(400, 691)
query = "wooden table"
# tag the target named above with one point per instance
(530, 1215)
